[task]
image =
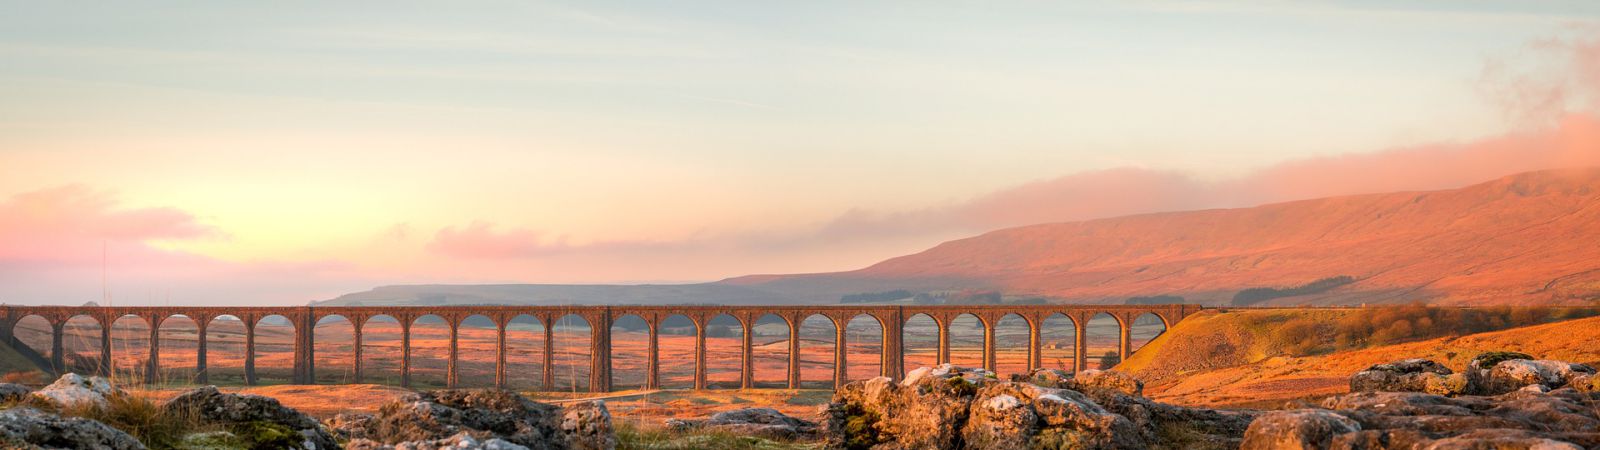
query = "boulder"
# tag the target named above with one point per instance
(1586, 383)
(73, 390)
(1108, 379)
(925, 411)
(12, 393)
(1021, 416)
(762, 422)
(1511, 375)
(1478, 369)
(28, 428)
(1085, 381)
(256, 418)
(1411, 375)
(490, 414)
(350, 426)
(1301, 429)
(459, 441)
(587, 426)
(1530, 417)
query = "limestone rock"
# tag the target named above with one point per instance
(1478, 369)
(13, 392)
(459, 441)
(28, 428)
(1302, 429)
(244, 413)
(73, 390)
(1021, 415)
(350, 426)
(1108, 379)
(1411, 375)
(763, 422)
(922, 412)
(587, 426)
(491, 414)
(1511, 375)
(1586, 383)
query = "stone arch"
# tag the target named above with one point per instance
(36, 333)
(817, 334)
(1103, 336)
(130, 348)
(630, 339)
(1145, 328)
(724, 351)
(80, 344)
(274, 354)
(225, 350)
(477, 344)
(675, 338)
(333, 347)
(179, 349)
(864, 347)
(429, 351)
(572, 353)
(1012, 336)
(1058, 337)
(770, 351)
(920, 341)
(381, 353)
(965, 333)
(524, 352)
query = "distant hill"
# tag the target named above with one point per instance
(1532, 238)
(559, 294)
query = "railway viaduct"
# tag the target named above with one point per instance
(891, 319)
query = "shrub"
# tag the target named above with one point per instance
(1110, 359)
(1299, 336)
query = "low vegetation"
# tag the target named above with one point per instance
(1253, 296)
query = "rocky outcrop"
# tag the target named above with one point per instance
(1156, 422)
(1508, 376)
(73, 390)
(251, 415)
(949, 407)
(12, 393)
(484, 415)
(587, 426)
(1411, 375)
(1531, 415)
(28, 428)
(925, 411)
(1084, 381)
(1301, 429)
(762, 422)
(1492, 373)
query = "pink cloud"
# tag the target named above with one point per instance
(480, 240)
(75, 224)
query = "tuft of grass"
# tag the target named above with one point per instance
(144, 420)
(634, 437)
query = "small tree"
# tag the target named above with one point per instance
(1110, 359)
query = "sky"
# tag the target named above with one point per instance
(279, 153)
